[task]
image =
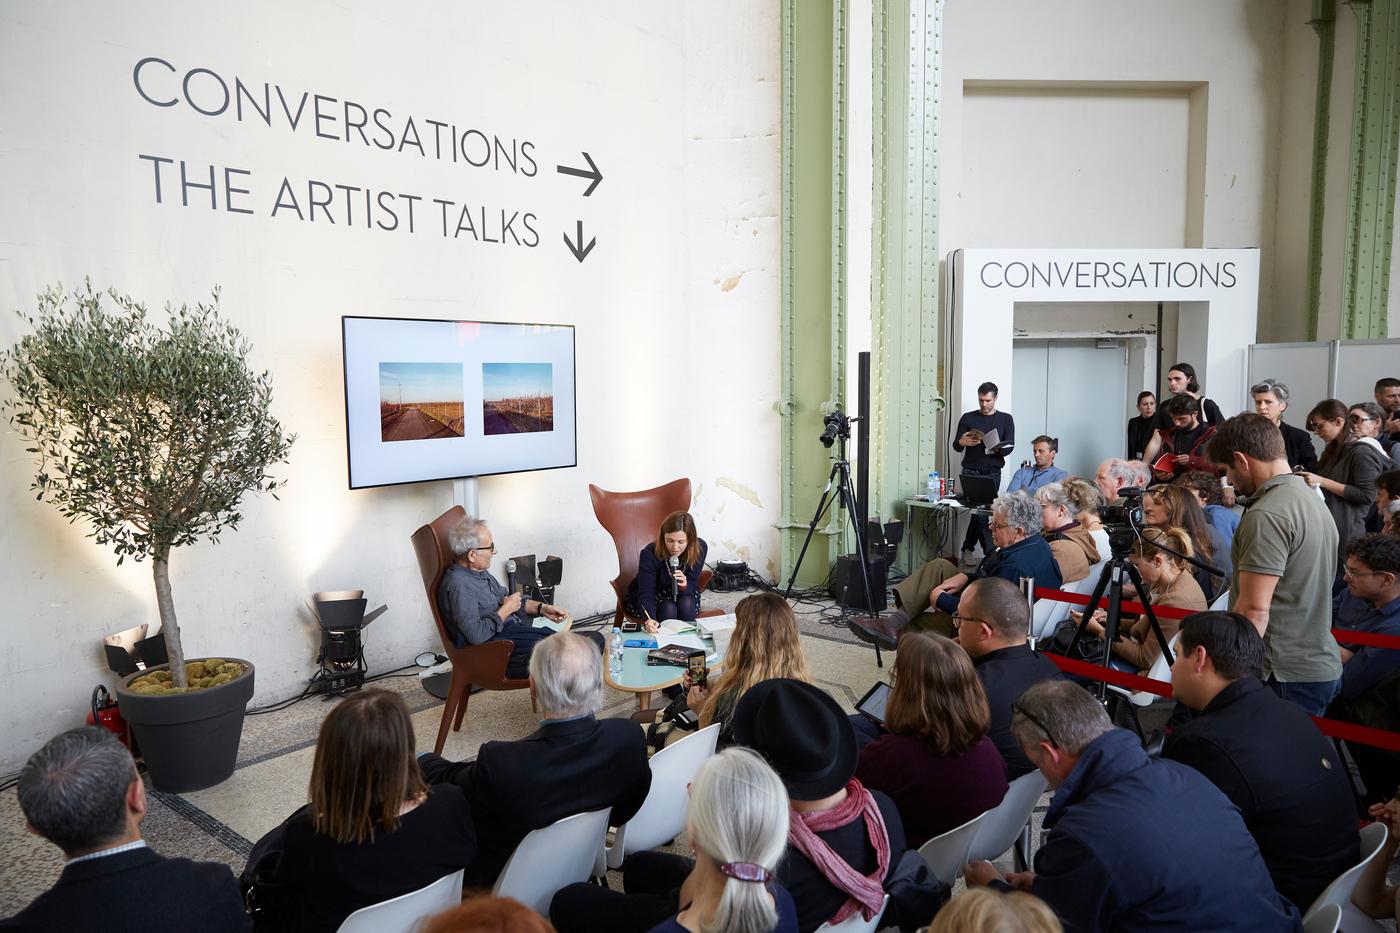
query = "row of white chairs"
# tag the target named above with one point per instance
(570, 850)
(576, 848)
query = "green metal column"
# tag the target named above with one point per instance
(813, 294)
(904, 242)
(1375, 151)
(1324, 22)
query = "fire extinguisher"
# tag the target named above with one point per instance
(106, 714)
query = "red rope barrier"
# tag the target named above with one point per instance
(1162, 612)
(1110, 675)
(1349, 636)
(1343, 635)
(1333, 728)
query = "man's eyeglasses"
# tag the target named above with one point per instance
(1035, 720)
(1348, 572)
(958, 620)
(490, 547)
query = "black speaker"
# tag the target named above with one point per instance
(848, 588)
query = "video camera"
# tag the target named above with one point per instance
(1123, 521)
(834, 425)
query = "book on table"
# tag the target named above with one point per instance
(674, 655)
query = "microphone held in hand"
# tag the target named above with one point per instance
(510, 575)
(675, 563)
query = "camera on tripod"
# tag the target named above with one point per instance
(834, 425)
(1123, 521)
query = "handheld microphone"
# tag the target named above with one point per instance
(510, 575)
(675, 563)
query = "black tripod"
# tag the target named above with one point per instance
(1111, 584)
(840, 478)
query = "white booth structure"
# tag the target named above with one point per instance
(1084, 390)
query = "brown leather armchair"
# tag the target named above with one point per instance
(633, 518)
(481, 665)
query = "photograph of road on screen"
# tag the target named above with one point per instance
(413, 389)
(517, 398)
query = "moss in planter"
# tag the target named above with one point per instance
(210, 672)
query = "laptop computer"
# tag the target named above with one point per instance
(977, 490)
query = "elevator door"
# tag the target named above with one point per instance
(1073, 390)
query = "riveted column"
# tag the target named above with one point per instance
(1375, 150)
(814, 269)
(904, 243)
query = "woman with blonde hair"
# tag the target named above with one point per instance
(982, 910)
(663, 589)
(1170, 585)
(936, 760)
(1073, 545)
(765, 644)
(737, 826)
(373, 830)
(1084, 499)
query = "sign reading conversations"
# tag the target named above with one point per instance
(363, 125)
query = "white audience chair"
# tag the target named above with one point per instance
(947, 854)
(1339, 891)
(1002, 826)
(854, 923)
(1326, 920)
(550, 858)
(1221, 602)
(401, 914)
(1048, 613)
(662, 815)
(1160, 670)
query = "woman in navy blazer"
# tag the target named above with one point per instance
(661, 591)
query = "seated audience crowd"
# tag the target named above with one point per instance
(806, 815)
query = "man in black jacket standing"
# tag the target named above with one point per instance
(981, 460)
(572, 764)
(81, 792)
(1265, 754)
(993, 624)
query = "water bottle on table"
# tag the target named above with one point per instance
(615, 652)
(935, 487)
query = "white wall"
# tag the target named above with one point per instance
(676, 308)
(1087, 123)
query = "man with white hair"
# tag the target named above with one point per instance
(476, 608)
(81, 792)
(1116, 473)
(573, 763)
(928, 598)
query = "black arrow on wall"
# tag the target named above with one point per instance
(592, 172)
(580, 251)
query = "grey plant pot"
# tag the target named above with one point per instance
(190, 740)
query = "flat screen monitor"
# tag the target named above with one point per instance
(429, 400)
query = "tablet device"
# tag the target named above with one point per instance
(872, 705)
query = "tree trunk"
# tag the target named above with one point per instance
(171, 629)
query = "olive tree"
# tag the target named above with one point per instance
(151, 433)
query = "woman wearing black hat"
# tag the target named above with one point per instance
(844, 841)
(937, 761)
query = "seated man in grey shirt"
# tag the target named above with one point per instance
(476, 608)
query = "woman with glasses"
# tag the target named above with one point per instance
(935, 759)
(1346, 471)
(1367, 420)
